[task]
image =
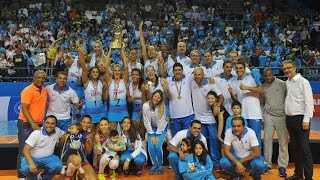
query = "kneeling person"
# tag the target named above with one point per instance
(246, 151)
(39, 149)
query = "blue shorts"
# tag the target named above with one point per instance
(117, 116)
(63, 124)
(97, 117)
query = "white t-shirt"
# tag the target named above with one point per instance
(42, 144)
(241, 147)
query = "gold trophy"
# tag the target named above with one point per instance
(117, 38)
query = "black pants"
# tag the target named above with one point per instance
(299, 139)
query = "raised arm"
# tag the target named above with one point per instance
(257, 90)
(143, 43)
(85, 71)
(165, 86)
(124, 59)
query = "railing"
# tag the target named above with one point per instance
(310, 73)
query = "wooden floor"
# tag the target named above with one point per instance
(169, 175)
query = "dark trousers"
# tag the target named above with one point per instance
(299, 139)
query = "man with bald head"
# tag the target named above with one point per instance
(181, 54)
(200, 87)
(275, 91)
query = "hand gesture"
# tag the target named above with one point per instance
(212, 81)
(33, 168)
(243, 87)
(164, 84)
(140, 26)
(240, 169)
(229, 89)
(177, 22)
(99, 150)
(182, 156)
(35, 126)
(126, 165)
(305, 125)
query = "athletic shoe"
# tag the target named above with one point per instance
(282, 172)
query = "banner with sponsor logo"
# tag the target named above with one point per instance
(10, 99)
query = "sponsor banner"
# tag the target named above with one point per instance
(316, 100)
(4, 108)
(14, 108)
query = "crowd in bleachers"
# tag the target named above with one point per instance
(34, 35)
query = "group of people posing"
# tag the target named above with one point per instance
(209, 113)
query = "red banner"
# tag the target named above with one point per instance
(316, 100)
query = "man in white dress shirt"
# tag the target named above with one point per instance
(299, 111)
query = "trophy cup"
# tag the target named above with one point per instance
(117, 38)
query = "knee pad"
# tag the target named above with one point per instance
(113, 164)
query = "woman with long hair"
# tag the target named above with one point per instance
(95, 92)
(117, 90)
(154, 119)
(135, 152)
(135, 97)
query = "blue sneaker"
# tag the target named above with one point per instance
(153, 169)
(282, 172)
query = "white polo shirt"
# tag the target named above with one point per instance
(180, 108)
(201, 108)
(59, 103)
(250, 101)
(223, 85)
(43, 144)
(214, 70)
(177, 139)
(184, 60)
(241, 147)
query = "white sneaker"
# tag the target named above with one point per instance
(22, 179)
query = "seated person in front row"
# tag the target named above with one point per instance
(109, 151)
(39, 149)
(246, 151)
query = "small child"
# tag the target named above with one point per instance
(187, 166)
(109, 152)
(236, 109)
(202, 161)
(73, 145)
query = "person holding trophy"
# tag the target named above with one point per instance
(117, 86)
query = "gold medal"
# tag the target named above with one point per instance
(115, 99)
(179, 97)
